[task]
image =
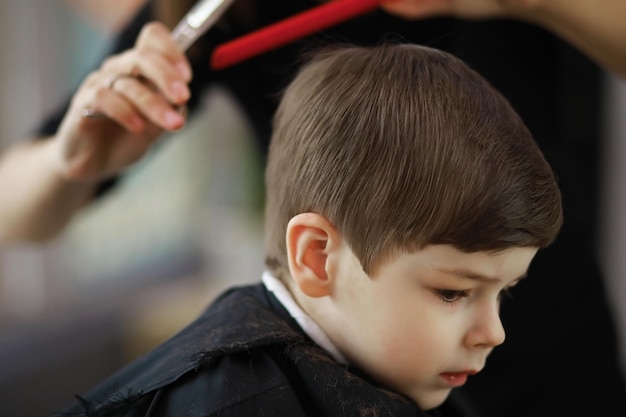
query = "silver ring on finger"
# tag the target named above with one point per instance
(90, 113)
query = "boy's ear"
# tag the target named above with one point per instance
(310, 238)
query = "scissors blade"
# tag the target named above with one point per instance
(198, 20)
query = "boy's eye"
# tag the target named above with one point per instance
(451, 296)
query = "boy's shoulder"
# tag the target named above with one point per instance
(243, 356)
(239, 326)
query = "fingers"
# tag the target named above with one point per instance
(111, 105)
(154, 66)
(417, 9)
(162, 61)
(159, 85)
(143, 98)
(468, 9)
(156, 37)
(163, 75)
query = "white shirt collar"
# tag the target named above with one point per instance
(310, 327)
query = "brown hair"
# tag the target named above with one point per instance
(401, 146)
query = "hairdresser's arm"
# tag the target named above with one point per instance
(595, 27)
(37, 201)
(43, 184)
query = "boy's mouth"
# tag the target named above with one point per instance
(457, 379)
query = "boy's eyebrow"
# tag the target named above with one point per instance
(469, 274)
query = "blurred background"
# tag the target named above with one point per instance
(187, 223)
(136, 268)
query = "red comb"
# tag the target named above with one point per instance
(288, 30)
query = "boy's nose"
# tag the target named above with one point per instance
(487, 329)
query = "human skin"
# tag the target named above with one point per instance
(421, 323)
(595, 27)
(59, 175)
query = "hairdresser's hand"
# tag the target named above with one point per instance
(595, 27)
(467, 9)
(120, 109)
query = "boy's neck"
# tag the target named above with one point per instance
(308, 325)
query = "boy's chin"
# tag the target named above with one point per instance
(431, 400)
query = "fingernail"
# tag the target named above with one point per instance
(173, 120)
(180, 91)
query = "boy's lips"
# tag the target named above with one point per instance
(456, 379)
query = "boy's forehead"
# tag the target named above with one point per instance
(506, 265)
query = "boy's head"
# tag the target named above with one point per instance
(400, 146)
(403, 195)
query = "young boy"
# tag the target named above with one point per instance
(404, 196)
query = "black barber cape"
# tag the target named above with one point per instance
(245, 356)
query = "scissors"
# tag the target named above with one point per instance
(205, 13)
(198, 20)
(194, 24)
